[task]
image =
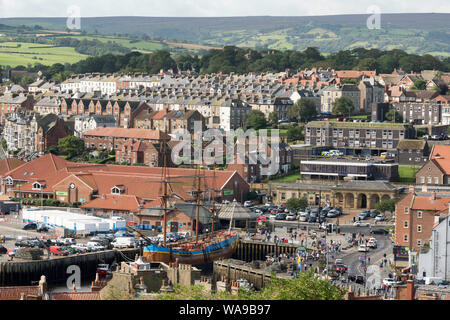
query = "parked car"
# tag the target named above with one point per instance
(280, 216)
(379, 231)
(363, 248)
(58, 251)
(262, 219)
(248, 203)
(312, 219)
(361, 224)
(81, 247)
(42, 228)
(374, 213)
(3, 250)
(359, 279)
(95, 246)
(291, 217)
(333, 214)
(304, 217)
(273, 215)
(380, 217)
(124, 242)
(30, 226)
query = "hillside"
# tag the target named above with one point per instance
(414, 33)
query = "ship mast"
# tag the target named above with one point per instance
(197, 196)
(165, 182)
(213, 207)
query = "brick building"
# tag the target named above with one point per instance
(112, 138)
(415, 216)
(436, 171)
(172, 121)
(9, 103)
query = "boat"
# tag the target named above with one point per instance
(215, 245)
(104, 271)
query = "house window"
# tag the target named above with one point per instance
(406, 210)
(422, 179)
(428, 179)
(405, 224)
(436, 180)
(419, 215)
(405, 238)
(419, 228)
(419, 243)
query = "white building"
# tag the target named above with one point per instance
(86, 123)
(435, 263)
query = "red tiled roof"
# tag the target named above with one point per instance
(127, 133)
(441, 152)
(115, 202)
(14, 293)
(9, 164)
(425, 203)
(74, 296)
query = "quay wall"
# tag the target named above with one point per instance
(23, 273)
(232, 272)
(248, 250)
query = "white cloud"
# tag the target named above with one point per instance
(212, 8)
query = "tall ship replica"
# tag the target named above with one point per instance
(209, 247)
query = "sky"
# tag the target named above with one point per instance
(214, 8)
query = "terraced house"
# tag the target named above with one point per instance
(357, 138)
(123, 111)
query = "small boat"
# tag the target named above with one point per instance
(104, 271)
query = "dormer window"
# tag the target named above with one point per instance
(38, 186)
(118, 189)
(9, 181)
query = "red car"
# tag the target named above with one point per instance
(57, 251)
(263, 219)
(340, 268)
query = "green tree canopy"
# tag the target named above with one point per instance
(343, 106)
(386, 205)
(306, 287)
(71, 146)
(273, 118)
(255, 120)
(295, 134)
(393, 115)
(303, 110)
(419, 84)
(296, 203)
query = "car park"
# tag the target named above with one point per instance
(81, 247)
(273, 215)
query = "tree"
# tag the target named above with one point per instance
(295, 134)
(386, 205)
(273, 118)
(343, 106)
(393, 115)
(306, 287)
(255, 120)
(296, 203)
(4, 145)
(71, 146)
(419, 84)
(303, 110)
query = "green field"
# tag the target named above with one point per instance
(145, 46)
(407, 174)
(290, 178)
(31, 53)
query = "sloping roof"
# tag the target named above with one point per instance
(440, 151)
(74, 296)
(411, 144)
(127, 133)
(114, 202)
(14, 293)
(236, 211)
(9, 164)
(426, 203)
(366, 185)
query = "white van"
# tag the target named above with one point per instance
(124, 242)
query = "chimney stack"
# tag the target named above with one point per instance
(412, 189)
(410, 290)
(433, 195)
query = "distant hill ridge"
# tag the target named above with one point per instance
(413, 32)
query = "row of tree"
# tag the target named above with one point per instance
(239, 60)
